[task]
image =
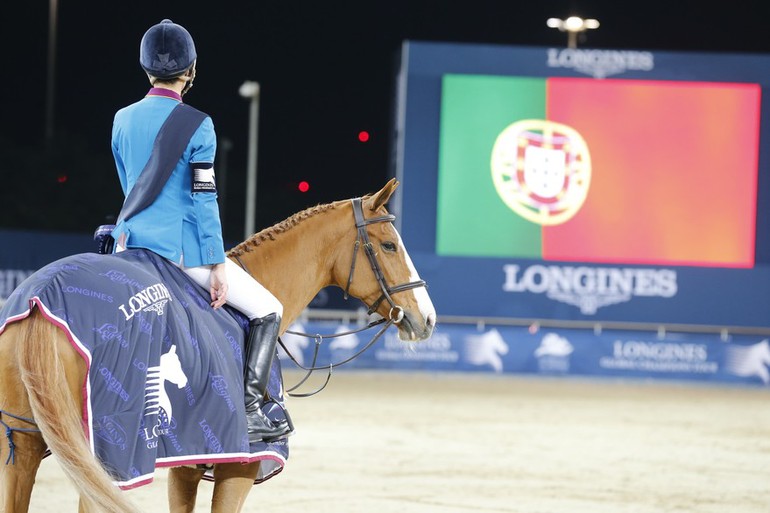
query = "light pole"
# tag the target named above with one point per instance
(250, 89)
(50, 83)
(572, 26)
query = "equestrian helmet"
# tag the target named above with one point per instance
(167, 50)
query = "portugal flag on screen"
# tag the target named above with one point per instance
(664, 172)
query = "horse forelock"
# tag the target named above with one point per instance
(270, 234)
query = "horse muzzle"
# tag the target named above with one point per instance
(410, 330)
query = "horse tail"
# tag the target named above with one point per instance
(57, 414)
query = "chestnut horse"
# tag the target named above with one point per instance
(350, 244)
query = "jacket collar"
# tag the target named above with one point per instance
(166, 93)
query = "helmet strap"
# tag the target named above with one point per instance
(188, 77)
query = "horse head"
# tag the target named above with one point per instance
(351, 244)
(381, 274)
(763, 349)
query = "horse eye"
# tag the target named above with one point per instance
(389, 246)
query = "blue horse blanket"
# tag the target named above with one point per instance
(165, 370)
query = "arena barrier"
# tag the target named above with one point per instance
(720, 357)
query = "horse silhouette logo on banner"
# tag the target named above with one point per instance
(749, 361)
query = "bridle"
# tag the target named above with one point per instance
(362, 239)
(395, 315)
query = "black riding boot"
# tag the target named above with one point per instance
(260, 349)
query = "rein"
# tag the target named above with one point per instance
(9, 433)
(318, 338)
(395, 315)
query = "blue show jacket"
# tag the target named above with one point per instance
(181, 225)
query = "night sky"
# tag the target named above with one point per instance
(326, 71)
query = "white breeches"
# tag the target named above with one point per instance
(245, 293)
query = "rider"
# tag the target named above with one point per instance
(183, 224)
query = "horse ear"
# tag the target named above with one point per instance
(172, 350)
(382, 197)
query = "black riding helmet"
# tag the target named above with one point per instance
(167, 50)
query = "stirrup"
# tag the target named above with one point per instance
(286, 415)
(263, 429)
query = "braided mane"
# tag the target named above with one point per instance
(282, 227)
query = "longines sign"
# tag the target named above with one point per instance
(600, 63)
(589, 288)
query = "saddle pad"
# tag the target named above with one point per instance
(165, 370)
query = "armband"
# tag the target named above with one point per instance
(203, 179)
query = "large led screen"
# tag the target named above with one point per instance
(587, 184)
(599, 171)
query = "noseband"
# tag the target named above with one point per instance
(396, 313)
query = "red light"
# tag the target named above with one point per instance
(303, 186)
(61, 178)
(363, 136)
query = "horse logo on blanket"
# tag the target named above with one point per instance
(165, 370)
(156, 400)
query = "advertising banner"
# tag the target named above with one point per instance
(739, 359)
